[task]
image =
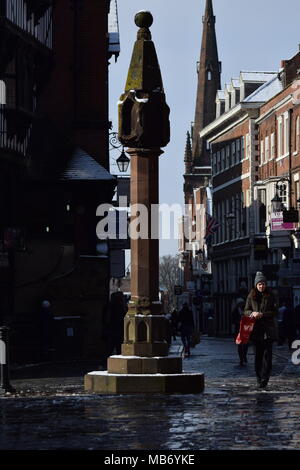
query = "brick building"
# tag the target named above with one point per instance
(197, 175)
(55, 170)
(251, 134)
(254, 149)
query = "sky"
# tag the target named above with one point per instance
(251, 36)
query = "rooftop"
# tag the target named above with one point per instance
(82, 167)
(256, 76)
(266, 91)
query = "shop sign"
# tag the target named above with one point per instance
(277, 222)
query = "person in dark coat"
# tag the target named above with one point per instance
(297, 321)
(186, 327)
(47, 329)
(236, 316)
(262, 305)
(174, 322)
(116, 313)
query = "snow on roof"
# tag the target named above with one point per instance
(256, 76)
(221, 94)
(82, 167)
(235, 82)
(266, 91)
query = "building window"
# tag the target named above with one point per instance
(233, 153)
(238, 150)
(223, 158)
(283, 194)
(223, 213)
(228, 156)
(280, 137)
(248, 146)
(267, 148)
(228, 221)
(2, 92)
(209, 75)
(297, 134)
(214, 159)
(243, 148)
(297, 192)
(286, 141)
(262, 152)
(247, 212)
(218, 162)
(272, 146)
(243, 216)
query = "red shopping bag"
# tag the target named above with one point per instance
(246, 328)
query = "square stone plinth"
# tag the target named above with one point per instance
(144, 365)
(106, 383)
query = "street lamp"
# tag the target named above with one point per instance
(123, 162)
(276, 202)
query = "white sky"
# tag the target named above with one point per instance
(251, 36)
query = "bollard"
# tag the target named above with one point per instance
(4, 363)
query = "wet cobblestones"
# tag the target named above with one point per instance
(56, 413)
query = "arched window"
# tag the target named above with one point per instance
(142, 331)
(209, 75)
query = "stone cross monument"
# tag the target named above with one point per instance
(144, 365)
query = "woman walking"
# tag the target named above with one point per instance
(261, 305)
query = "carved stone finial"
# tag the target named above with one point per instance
(143, 19)
(143, 111)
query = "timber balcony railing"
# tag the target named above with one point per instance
(33, 17)
(15, 130)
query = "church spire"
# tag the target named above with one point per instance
(209, 82)
(188, 158)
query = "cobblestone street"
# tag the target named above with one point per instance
(50, 409)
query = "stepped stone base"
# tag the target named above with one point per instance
(107, 383)
(145, 349)
(144, 365)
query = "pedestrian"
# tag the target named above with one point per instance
(262, 305)
(116, 312)
(47, 329)
(297, 320)
(236, 316)
(290, 325)
(186, 327)
(282, 324)
(174, 322)
(168, 326)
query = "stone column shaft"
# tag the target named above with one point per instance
(145, 252)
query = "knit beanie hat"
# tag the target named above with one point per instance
(259, 277)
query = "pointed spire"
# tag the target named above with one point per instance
(209, 12)
(188, 148)
(188, 153)
(143, 111)
(209, 82)
(144, 71)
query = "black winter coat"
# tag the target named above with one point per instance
(265, 327)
